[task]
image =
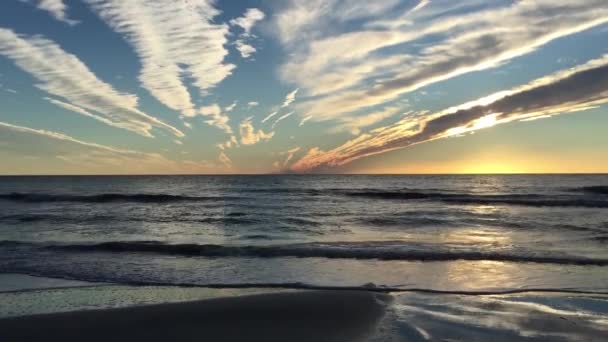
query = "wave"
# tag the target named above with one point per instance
(106, 198)
(228, 219)
(378, 250)
(297, 221)
(52, 218)
(105, 219)
(535, 200)
(402, 220)
(370, 287)
(594, 189)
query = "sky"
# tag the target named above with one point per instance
(303, 86)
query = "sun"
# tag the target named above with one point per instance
(485, 121)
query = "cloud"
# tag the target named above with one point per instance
(58, 9)
(304, 19)
(281, 118)
(217, 118)
(421, 5)
(304, 120)
(82, 111)
(61, 136)
(246, 23)
(250, 136)
(355, 124)
(244, 49)
(289, 99)
(270, 116)
(78, 156)
(248, 20)
(223, 158)
(253, 104)
(64, 75)
(231, 107)
(232, 142)
(288, 157)
(175, 40)
(377, 61)
(567, 91)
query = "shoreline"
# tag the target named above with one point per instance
(167, 313)
(41, 283)
(284, 316)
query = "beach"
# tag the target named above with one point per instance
(310, 258)
(107, 312)
(302, 316)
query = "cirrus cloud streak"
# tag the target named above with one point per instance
(62, 74)
(571, 90)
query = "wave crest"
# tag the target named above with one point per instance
(380, 251)
(534, 200)
(105, 198)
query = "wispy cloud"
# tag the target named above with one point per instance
(246, 23)
(354, 124)
(225, 160)
(377, 62)
(304, 120)
(289, 99)
(304, 19)
(61, 136)
(174, 40)
(230, 107)
(250, 136)
(571, 90)
(58, 9)
(216, 117)
(270, 116)
(421, 4)
(82, 111)
(248, 20)
(281, 118)
(64, 75)
(244, 49)
(79, 155)
(231, 142)
(253, 104)
(289, 154)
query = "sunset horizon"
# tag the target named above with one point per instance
(257, 88)
(303, 170)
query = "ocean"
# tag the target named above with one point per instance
(452, 234)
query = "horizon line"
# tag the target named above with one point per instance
(309, 174)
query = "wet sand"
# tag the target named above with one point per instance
(290, 316)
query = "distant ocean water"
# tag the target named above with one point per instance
(446, 233)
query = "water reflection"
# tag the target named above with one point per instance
(501, 318)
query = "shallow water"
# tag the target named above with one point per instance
(432, 232)
(412, 316)
(528, 317)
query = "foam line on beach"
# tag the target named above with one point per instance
(288, 316)
(304, 286)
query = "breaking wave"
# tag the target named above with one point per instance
(378, 250)
(106, 198)
(534, 200)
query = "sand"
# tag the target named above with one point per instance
(291, 316)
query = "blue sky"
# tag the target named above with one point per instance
(201, 86)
